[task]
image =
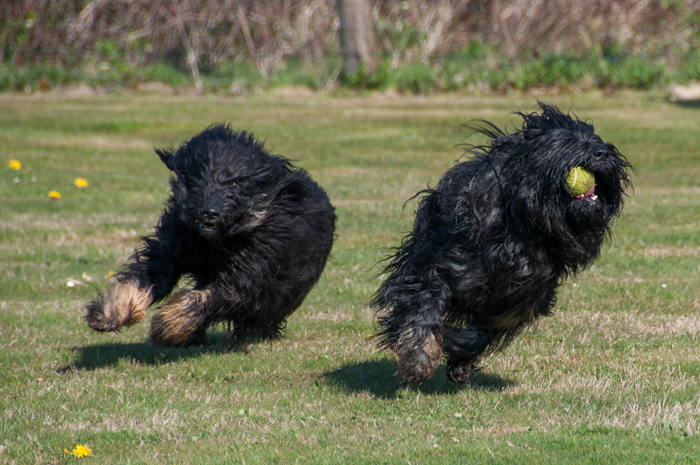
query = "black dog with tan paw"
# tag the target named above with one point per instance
(251, 231)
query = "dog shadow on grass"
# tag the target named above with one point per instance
(111, 354)
(688, 103)
(379, 379)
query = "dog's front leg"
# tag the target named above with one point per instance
(147, 278)
(183, 318)
(415, 326)
(125, 304)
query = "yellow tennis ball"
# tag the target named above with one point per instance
(579, 181)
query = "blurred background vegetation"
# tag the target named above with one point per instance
(239, 46)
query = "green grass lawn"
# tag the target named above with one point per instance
(612, 377)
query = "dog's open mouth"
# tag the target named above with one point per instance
(206, 228)
(580, 183)
(590, 195)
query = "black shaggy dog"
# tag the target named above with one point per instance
(493, 241)
(249, 229)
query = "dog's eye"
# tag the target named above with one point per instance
(233, 184)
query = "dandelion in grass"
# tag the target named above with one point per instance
(15, 165)
(79, 451)
(81, 182)
(54, 194)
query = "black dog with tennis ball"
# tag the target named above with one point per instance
(495, 239)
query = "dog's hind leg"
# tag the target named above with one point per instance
(182, 320)
(463, 347)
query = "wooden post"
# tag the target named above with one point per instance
(357, 35)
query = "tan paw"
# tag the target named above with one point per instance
(123, 305)
(178, 318)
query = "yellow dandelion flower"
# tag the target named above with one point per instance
(15, 165)
(81, 451)
(80, 183)
(54, 194)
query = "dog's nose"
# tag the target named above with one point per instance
(212, 214)
(602, 153)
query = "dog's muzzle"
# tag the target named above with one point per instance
(208, 220)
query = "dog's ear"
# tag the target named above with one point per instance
(167, 156)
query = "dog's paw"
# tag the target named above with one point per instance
(197, 338)
(418, 354)
(123, 305)
(178, 319)
(460, 373)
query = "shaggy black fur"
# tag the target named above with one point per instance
(493, 241)
(249, 229)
